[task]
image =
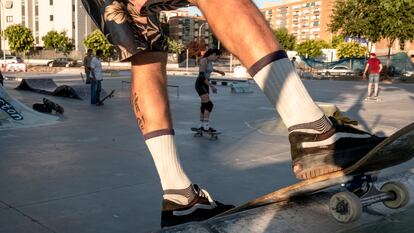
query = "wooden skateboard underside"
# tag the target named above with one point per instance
(396, 149)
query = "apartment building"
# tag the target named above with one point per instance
(309, 19)
(305, 19)
(42, 16)
(186, 29)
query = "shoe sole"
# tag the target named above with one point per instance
(315, 172)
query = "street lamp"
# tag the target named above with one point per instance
(199, 31)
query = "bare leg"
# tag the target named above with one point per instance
(236, 40)
(376, 89)
(369, 89)
(150, 104)
(149, 80)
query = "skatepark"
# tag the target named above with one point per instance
(90, 171)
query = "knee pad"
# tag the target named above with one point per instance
(209, 106)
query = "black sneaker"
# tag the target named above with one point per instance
(53, 105)
(209, 130)
(202, 207)
(318, 154)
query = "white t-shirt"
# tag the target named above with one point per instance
(96, 65)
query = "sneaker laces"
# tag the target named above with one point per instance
(202, 193)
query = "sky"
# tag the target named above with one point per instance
(259, 3)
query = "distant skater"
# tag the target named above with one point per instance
(375, 67)
(203, 85)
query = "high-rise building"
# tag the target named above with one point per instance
(186, 29)
(305, 19)
(42, 16)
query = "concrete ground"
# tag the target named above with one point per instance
(91, 171)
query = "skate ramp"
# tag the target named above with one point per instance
(41, 85)
(48, 86)
(309, 214)
(14, 114)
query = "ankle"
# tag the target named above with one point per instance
(320, 126)
(180, 196)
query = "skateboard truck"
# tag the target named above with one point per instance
(361, 192)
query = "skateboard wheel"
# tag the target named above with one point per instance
(400, 192)
(345, 207)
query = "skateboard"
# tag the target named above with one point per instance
(199, 133)
(377, 99)
(110, 95)
(358, 181)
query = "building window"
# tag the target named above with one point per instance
(51, 2)
(9, 19)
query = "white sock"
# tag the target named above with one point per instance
(284, 89)
(167, 161)
(206, 126)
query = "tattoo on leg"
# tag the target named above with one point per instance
(138, 114)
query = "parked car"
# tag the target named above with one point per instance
(16, 67)
(62, 62)
(4, 61)
(336, 70)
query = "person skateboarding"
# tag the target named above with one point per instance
(318, 145)
(203, 85)
(375, 67)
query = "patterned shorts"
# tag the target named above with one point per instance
(132, 26)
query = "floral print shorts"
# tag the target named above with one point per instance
(132, 26)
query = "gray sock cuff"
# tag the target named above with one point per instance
(256, 67)
(159, 133)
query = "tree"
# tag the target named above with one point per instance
(337, 40)
(397, 21)
(374, 20)
(175, 46)
(96, 40)
(311, 48)
(20, 38)
(351, 50)
(58, 41)
(287, 40)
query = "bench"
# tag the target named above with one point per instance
(236, 85)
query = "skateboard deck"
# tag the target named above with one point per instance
(200, 133)
(396, 149)
(372, 99)
(110, 95)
